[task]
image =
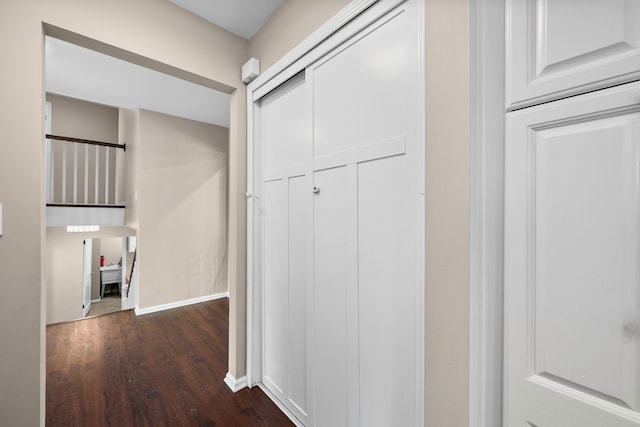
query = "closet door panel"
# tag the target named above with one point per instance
(330, 297)
(360, 93)
(286, 129)
(276, 284)
(386, 294)
(298, 224)
(563, 47)
(285, 146)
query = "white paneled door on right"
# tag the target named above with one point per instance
(572, 281)
(559, 48)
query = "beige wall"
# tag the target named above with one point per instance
(80, 119)
(447, 213)
(150, 32)
(111, 249)
(294, 21)
(182, 207)
(64, 275)
(129, 133)
(64, 261)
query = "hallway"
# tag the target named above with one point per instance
(161, 369)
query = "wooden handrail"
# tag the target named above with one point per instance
(82, 205)
(130, 277)
(86, 141)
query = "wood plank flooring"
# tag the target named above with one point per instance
(161, 369)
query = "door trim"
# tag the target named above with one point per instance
(486, 282)
(355, 17)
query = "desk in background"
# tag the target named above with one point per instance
(109, 275)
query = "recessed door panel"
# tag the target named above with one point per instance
(359, 94)
(298, 223)
(330, 297)
(563, 47)
(586, 252)
(386, 303)
(285, 127)
(276, 284)
(572, 299)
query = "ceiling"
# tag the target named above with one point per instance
(84, 74)
(241, 17)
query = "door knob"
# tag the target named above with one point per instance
(316, 189)
(631, 330)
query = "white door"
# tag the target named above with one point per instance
(87, 274)
(285, 137)
(572, 251)
(364, 222)
(338, 211)
(558, 48)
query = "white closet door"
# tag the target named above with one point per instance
(364, 168)
(338, 199)
(331, 304)
(286, 146)
(572, 283)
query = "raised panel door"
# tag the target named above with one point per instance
(558, 48)
(572, 283)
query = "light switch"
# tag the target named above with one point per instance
(1, 220)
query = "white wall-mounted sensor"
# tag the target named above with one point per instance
(250, 70)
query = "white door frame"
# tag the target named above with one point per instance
(335, 31)
(486, 283)
(87, 272)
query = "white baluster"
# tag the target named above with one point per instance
(106, 176)
(86, 173)
(75, 172)
(97, 180)
(64, 172)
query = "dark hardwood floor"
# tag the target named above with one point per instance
(161, 369)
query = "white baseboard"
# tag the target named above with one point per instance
(147, 310)
(96, 300)
(235, 384)
(280, 406)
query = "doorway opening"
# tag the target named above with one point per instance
(108, 152)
